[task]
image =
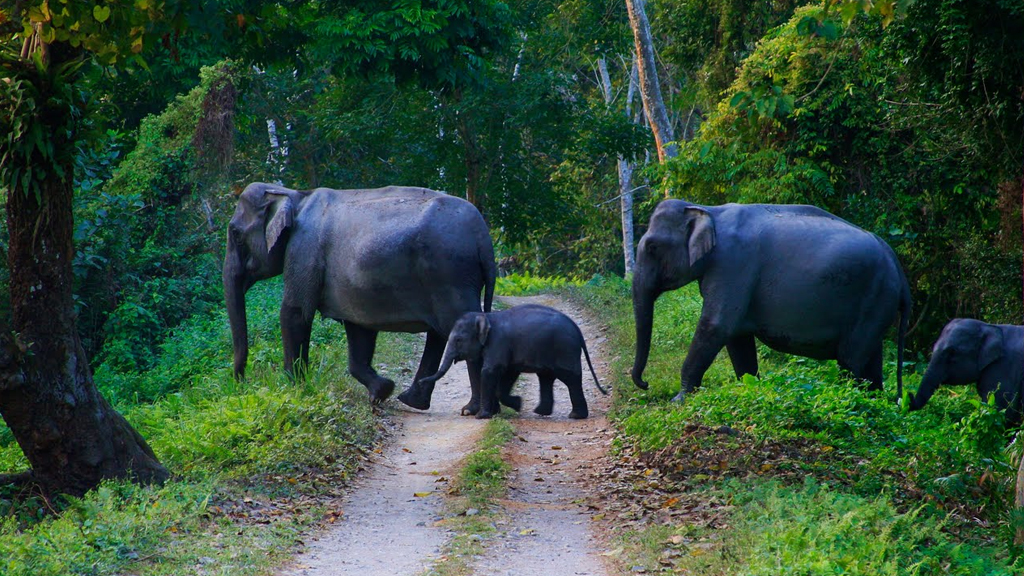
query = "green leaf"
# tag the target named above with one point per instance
(101, 13)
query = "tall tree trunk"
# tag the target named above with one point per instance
(650, 88)
(71, 436)
(625, 168)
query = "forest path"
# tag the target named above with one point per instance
(390, 527)
(387, 526)
(547, 528)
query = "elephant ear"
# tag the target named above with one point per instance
(281, 216)
(992, 347)
(701, 233)
(483, 328)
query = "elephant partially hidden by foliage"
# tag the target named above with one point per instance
(529, 338)
(799, 279)
(392, 259)
(989, 355)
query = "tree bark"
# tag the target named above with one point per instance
(650, 88)
(71, 436)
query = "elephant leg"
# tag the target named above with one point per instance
(362, 342)
(574, 382)
(506, 398)
(490, 382)
(416, 395)
(547, 394)
(474, 367)
(743, 353)
(866, 367)
(706, 344)
(295, 332)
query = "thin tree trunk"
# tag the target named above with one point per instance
(650, 88)
(1019, 500)
(625, 168)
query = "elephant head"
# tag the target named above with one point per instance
(964, 349)
(257, 235)
(670, 255)
(465, 342)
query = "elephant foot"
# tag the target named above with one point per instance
(472, 408)
(543, 409)
(580, 415)
(415, 397)
(381, 390)
(484, 415)
(513, 402)
(679, 398)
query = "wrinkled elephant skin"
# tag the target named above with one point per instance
(795, 277)
(395, 259)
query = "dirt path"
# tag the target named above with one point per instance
(386, 529)
(387, 524)
(548, 529)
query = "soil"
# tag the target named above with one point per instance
(390, 521)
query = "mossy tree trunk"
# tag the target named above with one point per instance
(71, 436)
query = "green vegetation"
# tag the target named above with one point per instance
(904, 118)
(819, 474)
(240, 451)
(482, 479)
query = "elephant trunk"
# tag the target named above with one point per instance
(933, 378)
(446, 364)
(235, 286)
(643, 314)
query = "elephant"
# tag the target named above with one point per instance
(394, 259)
(528, 338)
(796, 277)
(990, 355)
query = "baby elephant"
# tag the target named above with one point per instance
(992, 355)
(528, 338)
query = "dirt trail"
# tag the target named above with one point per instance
(387, 525)
(547, 529)
(544, 528)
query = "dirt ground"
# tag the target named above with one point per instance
(390, 519)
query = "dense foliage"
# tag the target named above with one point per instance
(909, 123)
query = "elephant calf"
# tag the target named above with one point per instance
(528, 338)
(990, 355)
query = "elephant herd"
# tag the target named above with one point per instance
(403, 259)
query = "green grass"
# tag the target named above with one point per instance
(482, 479)
(232, 447)
(526, 284)
(812, 529)
(943, 465)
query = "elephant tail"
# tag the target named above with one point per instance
(592, 373)
(906, 304)
(490, 273)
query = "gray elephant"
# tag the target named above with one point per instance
(528, 338)
(392, 259)
(990, 355)
(797, 278)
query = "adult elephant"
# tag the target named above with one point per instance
(395, 259)
(799, 279)
(989, 355)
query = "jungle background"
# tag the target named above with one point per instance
(906, 120)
